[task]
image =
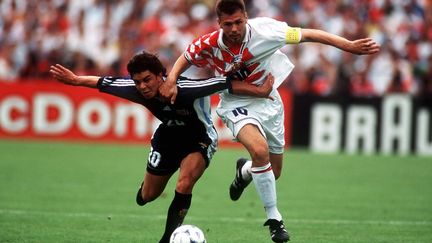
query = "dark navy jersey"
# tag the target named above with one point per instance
(189, 118)
(186, 126)
(192, 105)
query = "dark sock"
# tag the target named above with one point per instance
(139, 200)
(176, 214)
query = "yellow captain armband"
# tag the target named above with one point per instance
(293, 35)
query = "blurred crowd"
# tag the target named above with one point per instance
(99, 37)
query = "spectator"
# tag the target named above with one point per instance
(101, 35)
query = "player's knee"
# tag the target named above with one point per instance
(259, 154)
(185, 184)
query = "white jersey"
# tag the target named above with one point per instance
(259, 51)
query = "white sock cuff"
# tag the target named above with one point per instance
(261, 169)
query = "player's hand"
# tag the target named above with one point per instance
(244, 88)
(365, 46)
(168, 90)
(267, 87)
(63, 74)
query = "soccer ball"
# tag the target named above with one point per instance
(187, 234)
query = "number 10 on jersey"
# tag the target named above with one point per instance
(240, 111)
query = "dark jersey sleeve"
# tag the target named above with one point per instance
(190, 89)
(120, 87)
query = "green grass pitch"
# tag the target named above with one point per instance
(69, 192)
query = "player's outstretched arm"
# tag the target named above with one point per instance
(263, 91)
(364, 46)
(66, 76)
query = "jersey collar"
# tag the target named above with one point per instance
(245, 39)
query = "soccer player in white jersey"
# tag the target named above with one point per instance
(186, 138)
(249, 49)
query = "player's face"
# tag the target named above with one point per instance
(234, 27)
(147, 83)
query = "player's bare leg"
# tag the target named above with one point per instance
(151, 188)
(191, 169)
(264, 179)
(276, 161)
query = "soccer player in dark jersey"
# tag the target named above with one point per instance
(185, 140)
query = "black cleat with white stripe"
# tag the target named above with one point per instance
(277, 229)
(238, 184)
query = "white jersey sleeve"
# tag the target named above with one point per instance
(268, 36)
(277, 31)
(272, 29)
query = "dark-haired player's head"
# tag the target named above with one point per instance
(232, 18)
(147, 72)
(145, 61)
(229, 7)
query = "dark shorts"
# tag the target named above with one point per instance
(170, 145)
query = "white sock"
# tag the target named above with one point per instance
(265, 185)
(246, 171)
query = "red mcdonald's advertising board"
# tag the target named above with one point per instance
(54, 111)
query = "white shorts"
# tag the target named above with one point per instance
(266, 114)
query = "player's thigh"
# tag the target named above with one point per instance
(245, 124)
(192, 168)
(154, 185)
(254, 141)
